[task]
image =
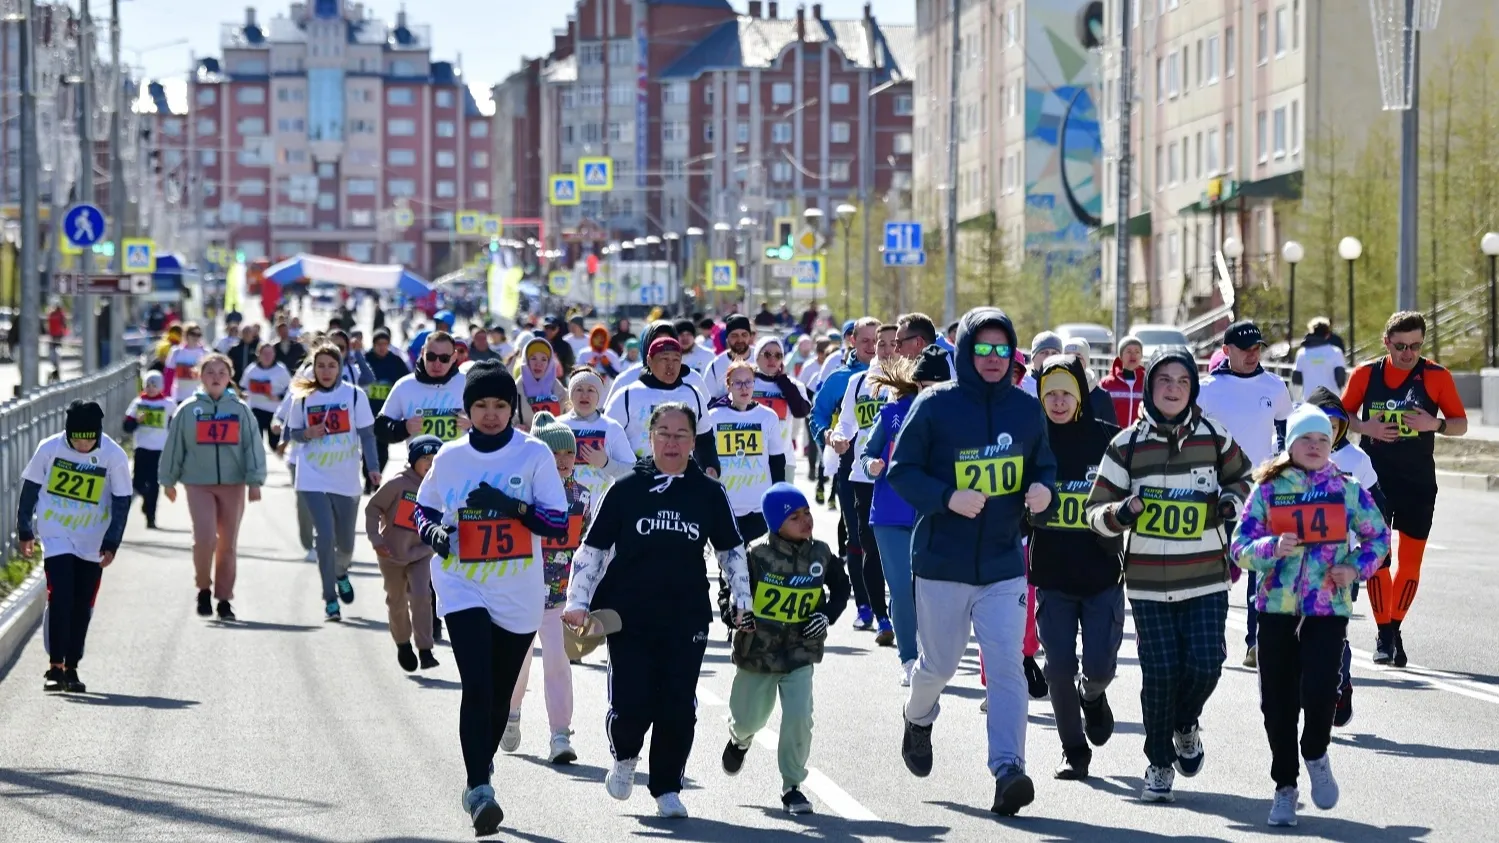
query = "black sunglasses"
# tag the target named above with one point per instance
(434, 357)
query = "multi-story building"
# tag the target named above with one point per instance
(1028, 149)
(518, 189)
(327, 130)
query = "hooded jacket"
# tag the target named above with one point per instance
(1126, 394)
(971, 434)
(777, 643)
(1065, 554)
(184, 460)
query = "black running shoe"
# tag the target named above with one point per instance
(795, 802)
(437, 629)
(822, 496)
(345, 589)
(72, 684)
(1098, 718)
(733, 757)
(1343, 714)
(427, 660)
(916, 749)
(1399, 659)
(226, 612)
(1035, 680)
(1075, 761)
(1384, 645)
(406, 657)
(205, 603)
(55, 680)
(1013, 790)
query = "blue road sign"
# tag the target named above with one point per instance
(84, 225)
(905, 258)
(903, 237)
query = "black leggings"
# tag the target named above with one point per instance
(653, 675)
(1300, 664)
(264, 418)
(146, 480)
(751, 526)
(874, 571)
(72, 585)
(489, 660)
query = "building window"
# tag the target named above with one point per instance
(1230, 151)
(479, 190)
(838, 93)
(289, 125)
(1160, 168)
(446, 129)
(478, 159)
(1160, 82)
(591, 53)
(622, 93)
(1229, 51)
(904, 105)
(1212, 152)
(1295, 24)
(621, 52)
(673, 132)
(206, 96)
(401, 188)
(1212, 60)
(251, 187)
(444, 99)
(1280, 132)
(445, 189)
(780, 172)
(1173, 78)
(707, 131)
(399, 96)
(839, 132)
(1187, 70)
(360, 127)
(590, 95)
(1197, 158)
(478, 129)
(446, 158)
(1281, 35)
(326, 201)
(1202, 75)
(252, 126)
(708, 95)
(1262, 38)
(250, 96)
(741, 132)
(676, 93)
(401, 128)
(902, 144)
(1172, 172)
(208, 157)
(206, 126)
(780, 133)
(839, 171)
(621, 131)
(400, 157)
(741, 93)
(1173, 252)
(1261, 139)
(360, 187)
(780, 93)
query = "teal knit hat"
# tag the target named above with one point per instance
(554, 434)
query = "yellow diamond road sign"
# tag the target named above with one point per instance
(806, 242)
(140, 256)
(564, 190)
(596, 174)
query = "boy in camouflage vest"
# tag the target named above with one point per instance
(775, 648)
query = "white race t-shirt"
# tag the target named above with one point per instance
(717, 375)
(578, 344)
(631, 407)
(857, 417)
(1248, 407)
(601, 361)
(73, 509)
(698, 359)
(332, 463)
(506, 577)
(1319, 366)
(438, 405)
(1351, 459)
(152, 415)
(745, 442)
(600, 431)
(183, 362)
(632, 375)
(265, 386)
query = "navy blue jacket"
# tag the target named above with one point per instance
(970, 431)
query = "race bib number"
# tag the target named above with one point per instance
(484, 536)
(776, 403)
(442, 425)
(1173, 514)
(1071, 507)
(866, 412)
(739, 440)
(378, 391)
(185, 372)
(778, 602)
(545, 404)
(590, 438)
(334, 419)
(405, 517)
(218, 431)
(1313, 517)
(76, 481)
(151, 417)
(1397, 418)
(572, 541)
(260, 387)
(993, 476)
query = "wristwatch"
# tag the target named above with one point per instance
(1442, 427)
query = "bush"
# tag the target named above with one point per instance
(17, 569)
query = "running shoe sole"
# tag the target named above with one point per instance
(487, 820)
(1019, 794)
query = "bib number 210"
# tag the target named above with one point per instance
(997, 476)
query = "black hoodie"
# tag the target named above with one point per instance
(1065, 554)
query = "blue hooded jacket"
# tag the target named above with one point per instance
(986, 436)
(830, 396)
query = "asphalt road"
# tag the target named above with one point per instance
(281, 727)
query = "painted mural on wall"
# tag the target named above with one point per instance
(1064, 147)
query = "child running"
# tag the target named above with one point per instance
(537, 375)
(390, 523)
(1311, 532)
(146, 420)
(80, 479)
(604, 453)
(184, 362)
(747, 443)
(775, 650)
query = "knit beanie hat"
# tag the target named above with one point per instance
(587, 376)
(1305, 419)
(778, 502)
(1046, 340)
(737, 322)
(422, 446)
(1131, 339)
(934, 365)
(1060, 377)
(488, 379)
(661, 344)
(153, 380)
(85, 420)
(554, 434)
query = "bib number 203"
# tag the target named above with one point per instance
(997, 476)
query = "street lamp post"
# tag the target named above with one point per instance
(653, 241)
(673, 251)
(1292, 253)
(1233, 249)
(690, 267)
(815, 218)
(845, 213)
(1349, 249)
(1490, 246)
(747, 255)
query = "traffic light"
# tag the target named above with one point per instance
(494, 245)
(239, 255)
(781, 247)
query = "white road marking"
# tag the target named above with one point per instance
(706, 697)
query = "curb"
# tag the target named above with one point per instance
(19, 615)
(1470, 482)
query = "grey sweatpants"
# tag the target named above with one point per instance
(1059, 616)
(304, 519)
(945, 612)
(333, 523)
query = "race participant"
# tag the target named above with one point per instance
(232, 321)
(289, 351)
(655, 331)
(387, 367)
(633, 406)
(748, 450)
(1320, 363)
(1393, 403)
(774, 654)
(1125, 382)
(971, 459)
(1044, 346)
(694, 356)
(580, 338)
(1297, 531)
(541, 390)
(776, 389)
(331, 420)
(643, 558)
(557, 565)
(485, 508)
(355, 370)
(183, 362)
(1099, 399)
(264, 383)
(442, 324)
(80, 479)
(1253, 405)
(856, 421)
(1172, 481)
(553, 332)
(890, 517)
(429, 401)
(630, 357)
(603, 448)
(1351, 460)
(405, 563)
(599, 357)
(146, 420)
(739, 335)
(214, 448)
(1076, 573)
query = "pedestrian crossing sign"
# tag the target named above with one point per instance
(807, 272)
(722, 275)
(557, 282)
(564, 190)
(492, 226)
(403, 218)
(597, 174)
(468, 222)
(140, 256)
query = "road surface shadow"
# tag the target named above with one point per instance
(1121, 727)
(129, 701)
(1052, 829)
(435, 683)
(580, 772)
(1384, 746)
(830, 829)
(262, 626)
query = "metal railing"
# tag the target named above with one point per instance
(25, 422)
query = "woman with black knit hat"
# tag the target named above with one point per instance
(1077, 573)
(663, 382)
(485, 506)
(643, 558)
(80, 481)
(634, 371)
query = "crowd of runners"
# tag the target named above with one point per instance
(552, 489)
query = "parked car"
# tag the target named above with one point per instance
(1155, 337)
(1100, 339)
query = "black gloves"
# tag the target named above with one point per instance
(816, 627)
(745, 623)
(1124, 515)
(435, 536)
(485, 496)
(1227, 510)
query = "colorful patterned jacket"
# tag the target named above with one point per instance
(1338, 524)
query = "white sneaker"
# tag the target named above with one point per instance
(1283, 809)
(311, 556)
(621, 779)
(562, 749)
(1159, 782)
(670, 805)
(906, 669)
(1189, 754)
(510, 741)
(1324, 786)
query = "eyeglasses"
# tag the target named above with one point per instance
(985, 349)
(434, 357)
(742, 384)
(1408, 346)
(904, 340)
(774, 355)
(668, 436)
